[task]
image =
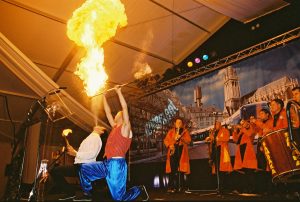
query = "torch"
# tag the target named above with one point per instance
(65, 134)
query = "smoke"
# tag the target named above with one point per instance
(96, 104)
(141, 68)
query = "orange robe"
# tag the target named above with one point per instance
(281, 121)
(249, 160)
(264, 127)
(295, 117)
(184, 163)
(222, 139)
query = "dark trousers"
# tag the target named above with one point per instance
(177, 180)
(248, 180)
(222, 175)
(58, 174)
(261, 159)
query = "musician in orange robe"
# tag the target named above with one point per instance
(279, 114)
(295, 112)
(220, 155)
(245, 156)
(264, 123)
(177, 163)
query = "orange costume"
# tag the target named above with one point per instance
(264, 126)
(184, 163)
(281, 122)
(295, 118)
(245, 138)
(222, 139)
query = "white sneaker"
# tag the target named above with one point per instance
(67, 197)
(187, 191)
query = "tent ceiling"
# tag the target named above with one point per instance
(244, 11)
(160, 32)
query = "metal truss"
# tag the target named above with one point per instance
(153, 98)
(145, 108)
(241, 55)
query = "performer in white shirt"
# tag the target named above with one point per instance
(87, 153)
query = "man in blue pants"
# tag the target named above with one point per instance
(114, 169)
(87, 153)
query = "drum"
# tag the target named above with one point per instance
(282, 159)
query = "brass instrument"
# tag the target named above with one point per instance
(210, 142)
(293, 122)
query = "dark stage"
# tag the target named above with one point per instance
(201, 184)
(162, 195)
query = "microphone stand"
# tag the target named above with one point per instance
(61, 154)
(33, 195)
(178, 165)
(217, 168)
(178, 160)
(217, 190)
(56, 159)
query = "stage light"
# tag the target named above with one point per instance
(156, 182)
(213, 54)
(205, 57)
(197, 60)
(189, 64)
(254, 27)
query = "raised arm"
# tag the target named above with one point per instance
(108, 112)
(126, 128)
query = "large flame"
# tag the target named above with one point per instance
(95, 22)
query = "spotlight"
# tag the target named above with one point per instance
(254, 27)
(213, 54)
(189, 64)
(156, 182)
(205, 57)
(197, 60)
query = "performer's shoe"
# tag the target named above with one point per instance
(292, 196)
(144, 194)
(187, 191)
(67, 197)
(171, 190)
(84, 197)
(235, 192)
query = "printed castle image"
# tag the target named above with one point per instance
(204, 116)
(149, 134)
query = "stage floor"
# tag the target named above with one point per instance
(162, 195)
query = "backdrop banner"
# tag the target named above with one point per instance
(230, 94)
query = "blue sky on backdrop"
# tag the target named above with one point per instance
(253, 73)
